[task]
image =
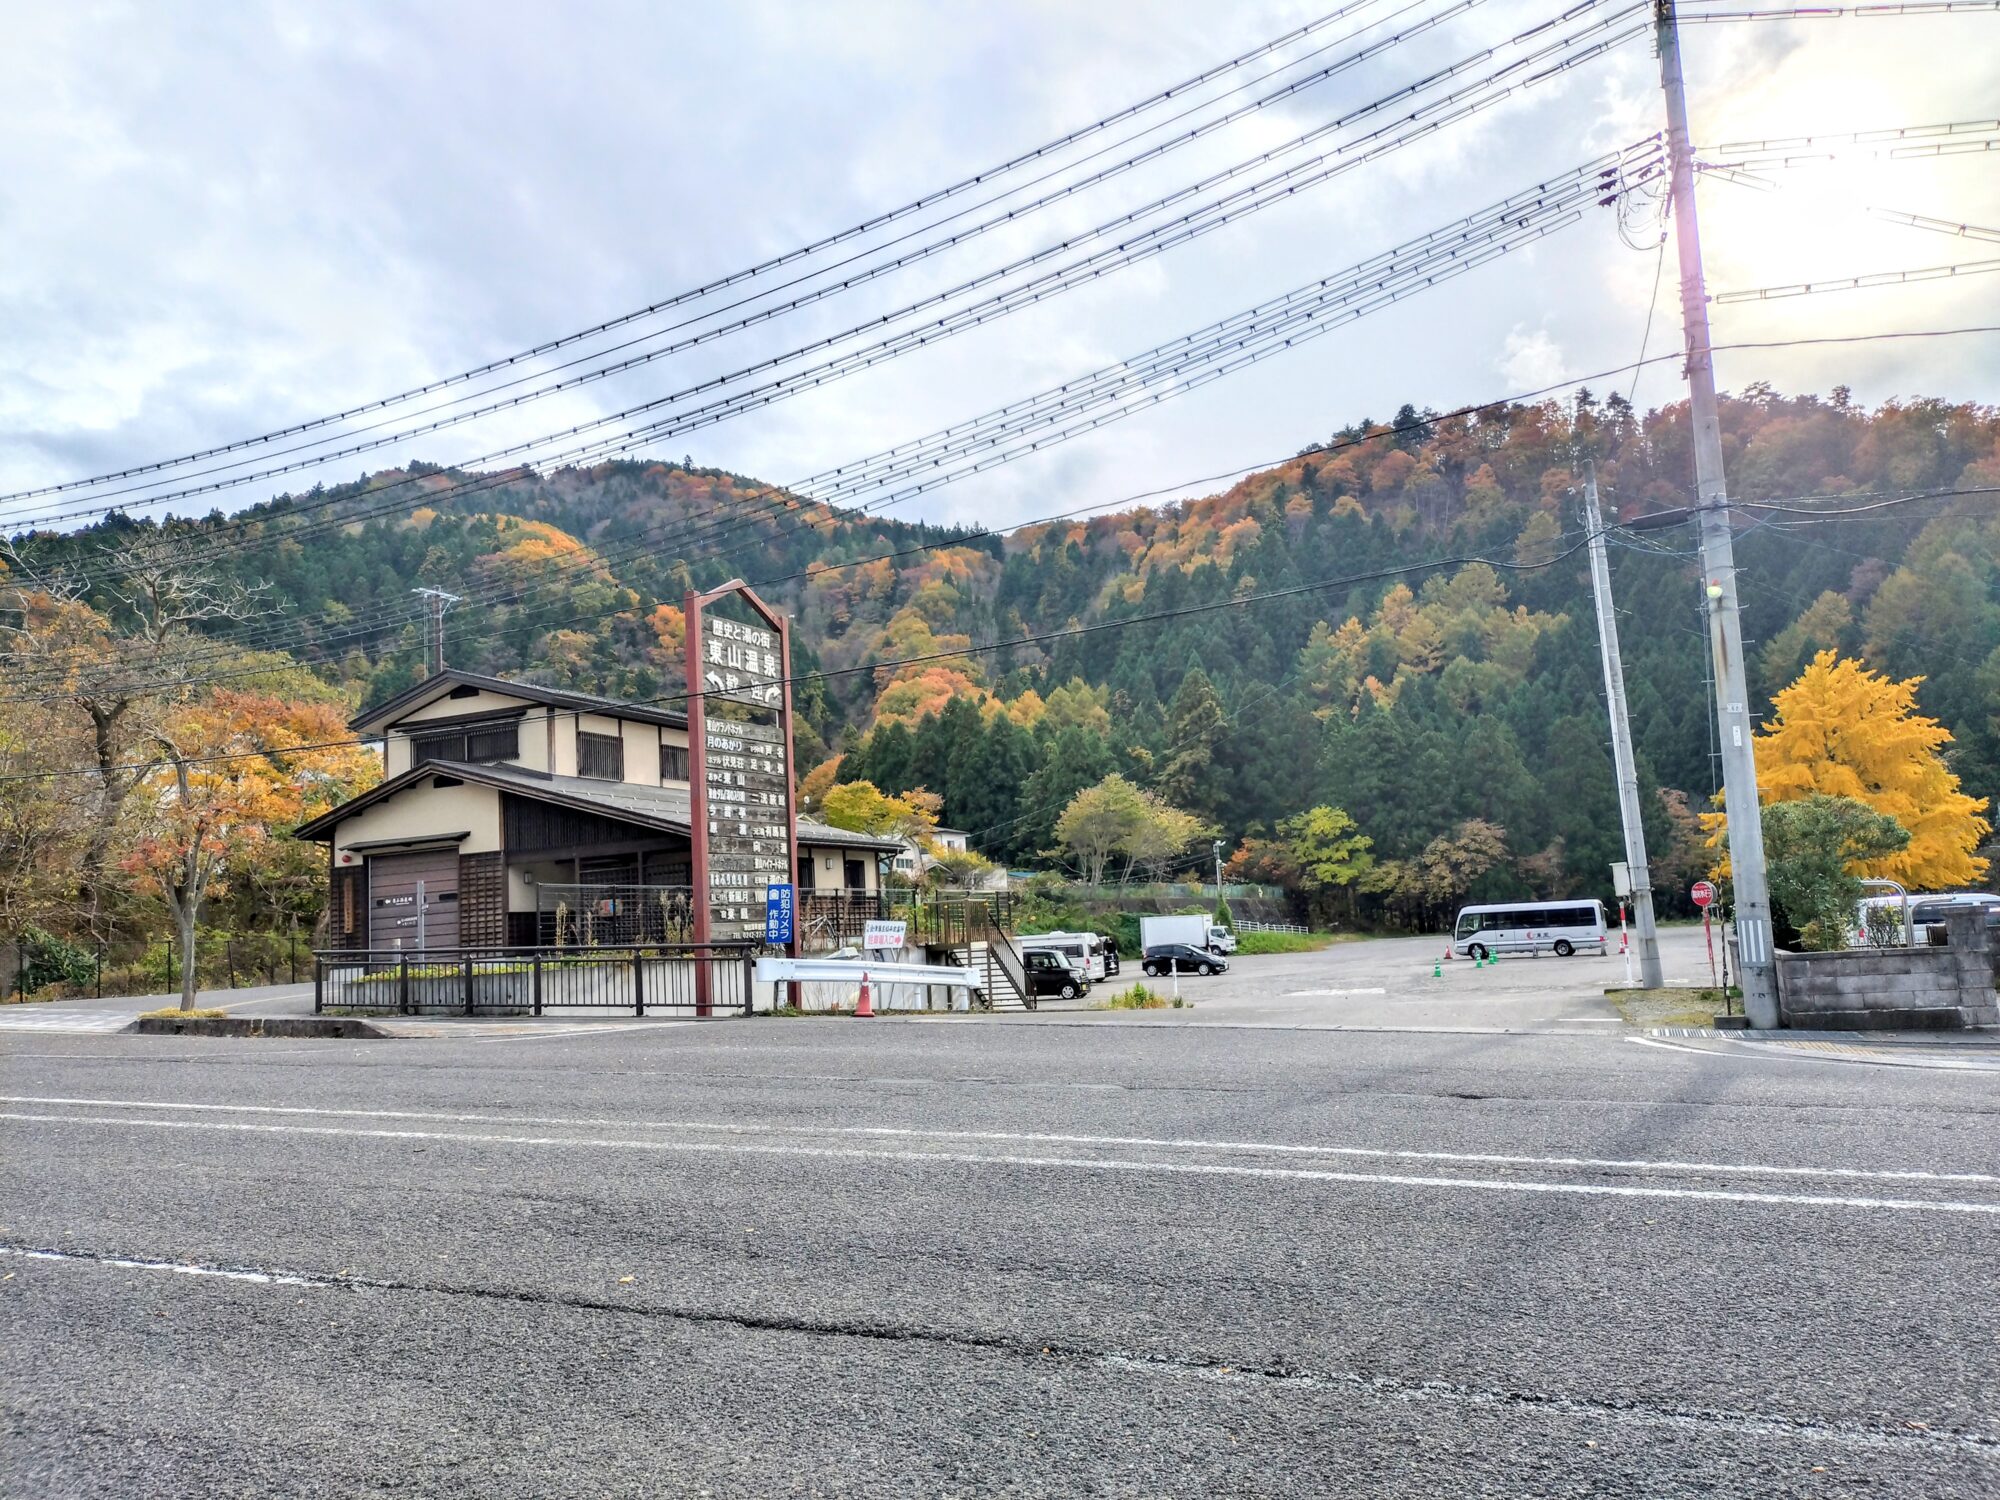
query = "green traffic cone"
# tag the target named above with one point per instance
(1437, 971)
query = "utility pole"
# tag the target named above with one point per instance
(1622, 760)
(439, 601)
(1756, 969)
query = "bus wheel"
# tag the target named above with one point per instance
(1478, 951)
(1564, 948)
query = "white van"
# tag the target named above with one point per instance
(1879, 920)
(1084, 949)
(1559, 927)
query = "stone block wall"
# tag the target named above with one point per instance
(1945, 988)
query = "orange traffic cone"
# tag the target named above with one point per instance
(861, 1006)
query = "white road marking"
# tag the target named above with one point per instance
(1064, 1163)
(51, 1018)
(1339, 993)
(263, 1278)
(1041, 1138)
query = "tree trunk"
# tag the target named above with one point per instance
(184, 914)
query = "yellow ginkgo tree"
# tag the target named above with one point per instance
(1844, 731)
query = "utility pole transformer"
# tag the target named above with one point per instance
(1756, 969)
(439, 602)
(1650, 976)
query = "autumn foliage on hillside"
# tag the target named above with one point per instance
(1419, 694)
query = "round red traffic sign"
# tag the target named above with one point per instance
(1703, 893)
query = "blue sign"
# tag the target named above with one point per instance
(777, 913)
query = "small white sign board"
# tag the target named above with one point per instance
(883, 934)
(1621, 877)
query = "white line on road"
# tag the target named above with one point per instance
(1040, 1138)
(263, 1278)
(1068, 1163)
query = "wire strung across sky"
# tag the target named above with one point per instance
(847, 283)
(736, 278)
(1126, 501)
(1546, 61)
(1261, 332)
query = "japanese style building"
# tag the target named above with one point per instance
(513, 815)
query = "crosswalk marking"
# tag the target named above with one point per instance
(57, 1018)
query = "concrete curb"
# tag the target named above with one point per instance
(345, 1028)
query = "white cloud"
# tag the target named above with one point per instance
(1530, 360)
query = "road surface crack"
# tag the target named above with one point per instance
(1905, 1435)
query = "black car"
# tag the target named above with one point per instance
(1052, 974)
(1184, 958)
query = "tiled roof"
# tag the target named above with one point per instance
(662, 807)
(590, 703)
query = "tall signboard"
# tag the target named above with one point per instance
(743, 825)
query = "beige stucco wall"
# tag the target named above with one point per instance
(829, 866)
(425, 810)
(444, 706)
(642, 752)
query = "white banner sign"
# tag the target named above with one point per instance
(883, 935)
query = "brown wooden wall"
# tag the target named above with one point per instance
(482, 900)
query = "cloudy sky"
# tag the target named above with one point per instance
(221, 219)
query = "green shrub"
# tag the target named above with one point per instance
(1251, 943)
(47, 960)
(1141, 998)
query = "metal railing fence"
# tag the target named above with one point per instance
(639, 980)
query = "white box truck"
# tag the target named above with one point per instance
(1192, 930)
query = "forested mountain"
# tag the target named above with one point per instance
(1414, 699)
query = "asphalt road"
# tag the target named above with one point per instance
(955, 1257)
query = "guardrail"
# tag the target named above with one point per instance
(1271, 927)
(685, 978)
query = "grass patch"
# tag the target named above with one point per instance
(1141, 998)
(1669, 1007)
(175, 1013)
(1249, 944)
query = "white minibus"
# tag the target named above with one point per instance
(1559, 927)
(1084, 949)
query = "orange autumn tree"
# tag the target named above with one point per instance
(232, 772)
(1844, 731)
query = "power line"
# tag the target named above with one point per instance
(226, 650)
(1215, 350)
(883, 268)
(734, 278)
(1861, 283)
(1553, 59)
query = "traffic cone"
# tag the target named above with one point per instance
(1449, 955)
(1437, 971)
(861, 1006)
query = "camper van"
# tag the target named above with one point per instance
(1558, 927)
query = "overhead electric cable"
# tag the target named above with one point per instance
(847, 283)
(1484, 93)
(734, 278)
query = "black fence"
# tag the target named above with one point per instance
(712, 979)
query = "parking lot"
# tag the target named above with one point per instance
(1407, 984)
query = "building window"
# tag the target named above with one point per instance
(673, 763)
(480, 744)
(600, 755)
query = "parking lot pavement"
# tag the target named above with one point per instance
(1406, 984)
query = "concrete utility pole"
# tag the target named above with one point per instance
(440, 601)
(1622, 762)
(1756, 970)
